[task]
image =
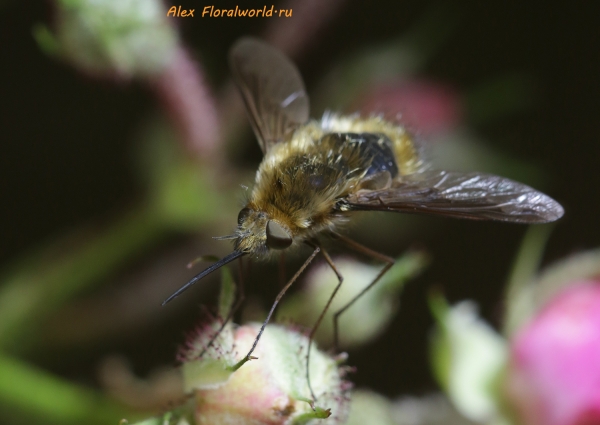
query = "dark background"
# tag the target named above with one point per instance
(65, 155)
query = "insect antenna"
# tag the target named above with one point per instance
(226, 237)
(227, 259)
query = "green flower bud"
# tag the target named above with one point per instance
(468, 357)
(122, 38)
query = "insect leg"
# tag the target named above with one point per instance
(279, 296)
(240, 299)
(373, 254)
(320, 319)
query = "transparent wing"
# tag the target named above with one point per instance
(272, 89)
(474, 196)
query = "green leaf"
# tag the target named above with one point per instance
(317, 413)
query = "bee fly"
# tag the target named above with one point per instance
(316, 173)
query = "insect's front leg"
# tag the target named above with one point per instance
(320, 319)
(248, 356)
(241, 296)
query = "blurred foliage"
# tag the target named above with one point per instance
(524, 270)
(394, 59)
(28, 392)
(179, 198)
(369, 316)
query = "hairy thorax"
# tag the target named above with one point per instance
(300, 180)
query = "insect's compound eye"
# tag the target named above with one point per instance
(243, 214)
(277, 237)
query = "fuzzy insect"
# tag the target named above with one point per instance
(316, 173)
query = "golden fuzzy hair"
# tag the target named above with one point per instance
(300, 180)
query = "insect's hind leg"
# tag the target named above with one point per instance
(371, 253)
(321, 316)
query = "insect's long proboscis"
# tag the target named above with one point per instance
(227, 259)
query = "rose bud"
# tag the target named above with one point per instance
(554, 368)
(269, 389)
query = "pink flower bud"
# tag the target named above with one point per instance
(270, 389)
(554, 370)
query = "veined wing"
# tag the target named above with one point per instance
(272, 89)
(474, 196)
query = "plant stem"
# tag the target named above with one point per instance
(33, 394)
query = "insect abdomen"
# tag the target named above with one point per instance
(378, 148)
(405, 153)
